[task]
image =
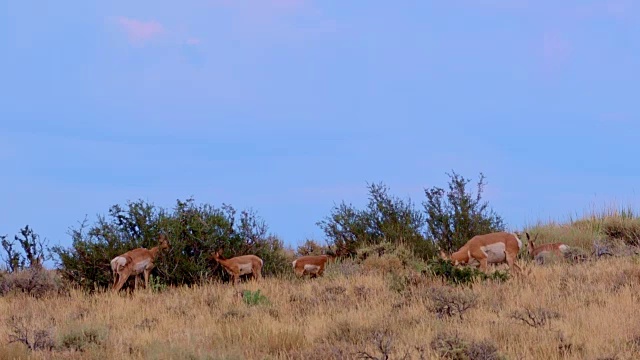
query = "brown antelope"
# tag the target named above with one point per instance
(493, 248)
(557, 249)
(134, 263)
(240, 265)
(312, 265)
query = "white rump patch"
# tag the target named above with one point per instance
(495, 252)
(563, 248)
(118, 262)
(245, 268)
(519, 241)
(294, 263)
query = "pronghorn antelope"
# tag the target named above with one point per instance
(240, 265)
(556, 248)
(493, 248)
(312, 265)
(134, 263)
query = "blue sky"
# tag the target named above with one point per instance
(290, 106)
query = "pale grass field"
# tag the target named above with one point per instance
(338, 316)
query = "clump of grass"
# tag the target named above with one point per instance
(451, 345)
(36, 282)
(611, 223)
(83, 337)
(253, 298)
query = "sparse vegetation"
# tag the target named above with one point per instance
(448, 302)
(355, 316)
(386, 300)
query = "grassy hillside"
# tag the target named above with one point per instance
(382, 307)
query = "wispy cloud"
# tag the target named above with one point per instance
(262, 4)
(282, 19)
(139, 31)
(555, 50)
(618, 9)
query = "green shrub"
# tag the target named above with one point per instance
(456, 215)
(83, 337)
(253, 298)
(464, 275)
(194, 233)
(450, 218)
(156, 284)
(386, 218)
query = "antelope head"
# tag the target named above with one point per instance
(531, 246)
(164, 242)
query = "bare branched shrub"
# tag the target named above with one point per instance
(536, 318)
(31, 251)
(147, 324)
(35, 281)
(311, 247)
(626, 277)
(566, 347)
(634, 344)
(330, 294)
(576, 255)
(483, 350)
(34, 339)
(601, 248)
(449, 302)
(450, 345)
(362, 292)
(383, 341)
(354, 333)
(333, 351)
(233, 314)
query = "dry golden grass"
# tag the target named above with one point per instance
(382, 306)
(613, 224)
(337, 317)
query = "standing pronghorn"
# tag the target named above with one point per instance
(134, 263)
(240, 265)
(493, 248)
(312, 265)
(557, 249)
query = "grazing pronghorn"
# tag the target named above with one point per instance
(312, 265)
(134, 262)
(493, 248)
(240, 265)
(556, 248)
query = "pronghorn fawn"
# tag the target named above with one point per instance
(312, 265)
(537, 252)
(493, 248)
(134, 263)
(240, 265)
